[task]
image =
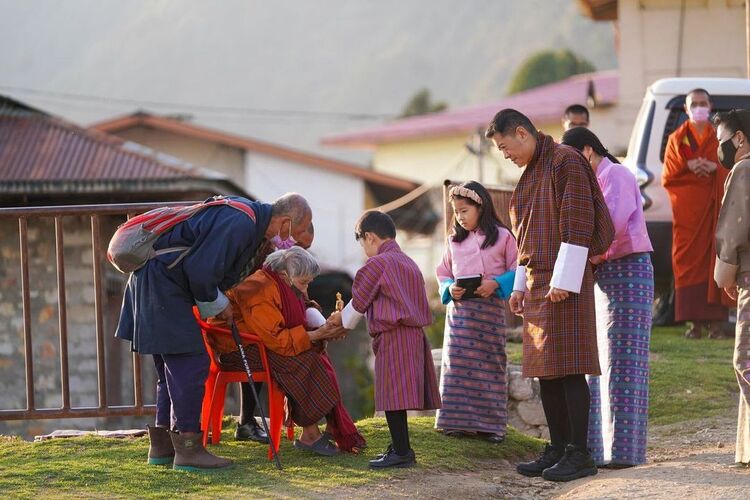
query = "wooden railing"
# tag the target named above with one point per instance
(66, 410)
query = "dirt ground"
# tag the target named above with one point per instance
(686, 461)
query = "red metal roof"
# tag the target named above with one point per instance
(37, 147)
(140, 118)
(541, 104)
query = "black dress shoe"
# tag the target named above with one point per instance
(250, 431)
(391, 459)
(388, 450)
(576, 463)
(550, 456)
(491, 437)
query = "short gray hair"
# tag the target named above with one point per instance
(296, 262)
(292, 205)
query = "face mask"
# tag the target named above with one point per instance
(726, 153)
(286, 244)
(700, 113)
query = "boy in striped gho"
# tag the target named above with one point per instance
(389, 290)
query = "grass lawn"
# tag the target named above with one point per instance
(690, 379)
(98, 467)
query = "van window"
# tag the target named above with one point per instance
(677, 115)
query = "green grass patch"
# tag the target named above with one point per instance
(690, 379)
(99, 467)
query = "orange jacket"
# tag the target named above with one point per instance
(256, 304)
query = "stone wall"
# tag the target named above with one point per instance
(45, 331)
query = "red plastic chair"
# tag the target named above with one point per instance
(217, 381)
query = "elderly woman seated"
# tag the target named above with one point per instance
(271, 304)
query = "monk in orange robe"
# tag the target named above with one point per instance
(695, 186)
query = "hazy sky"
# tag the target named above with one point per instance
(342, 56)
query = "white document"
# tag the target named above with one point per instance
(350, 317)
(313, 318)
(569, 268)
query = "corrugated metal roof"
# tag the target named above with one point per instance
(541, 104)
(36, 147)
(11, 107)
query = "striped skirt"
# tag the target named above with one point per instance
(404, 373)
(618, 418)
(303, 379)
(473, 380)
(742, 371)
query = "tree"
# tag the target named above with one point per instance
(421, 104)
(548, 66)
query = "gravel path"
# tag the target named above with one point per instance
(686, 461)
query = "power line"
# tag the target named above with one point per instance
(204, 108)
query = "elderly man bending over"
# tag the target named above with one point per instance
(270, 304)
(157, 311)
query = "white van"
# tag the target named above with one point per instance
(661, 113)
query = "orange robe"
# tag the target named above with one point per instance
(256, 304)
(695, 210)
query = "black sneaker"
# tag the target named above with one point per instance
(576, 463)
(251, 431)
(550, 456)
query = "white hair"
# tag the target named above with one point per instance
(296, 262)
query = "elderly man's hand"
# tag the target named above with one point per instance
(226, 314)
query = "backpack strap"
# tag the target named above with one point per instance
(192, 210)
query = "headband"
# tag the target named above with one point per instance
(465, 193)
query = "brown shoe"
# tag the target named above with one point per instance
(693, 332)
(160, 448)
(191, 455)
(715, 332)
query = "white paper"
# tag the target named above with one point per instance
(313, 318)
(519, 283)
(350, 317)
(569, 268)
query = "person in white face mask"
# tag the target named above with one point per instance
(695, 186)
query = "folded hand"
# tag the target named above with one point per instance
(516, 303)
(487, 288)
(557, 294)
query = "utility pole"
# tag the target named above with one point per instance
(478, 147)
(480, 154)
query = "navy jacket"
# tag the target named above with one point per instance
(157, 308)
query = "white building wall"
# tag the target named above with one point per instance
(218, 157)
(337, 202)
(713, 44)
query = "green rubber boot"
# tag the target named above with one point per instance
(160, 449)
(191, 455)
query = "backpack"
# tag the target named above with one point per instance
(132, 245)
